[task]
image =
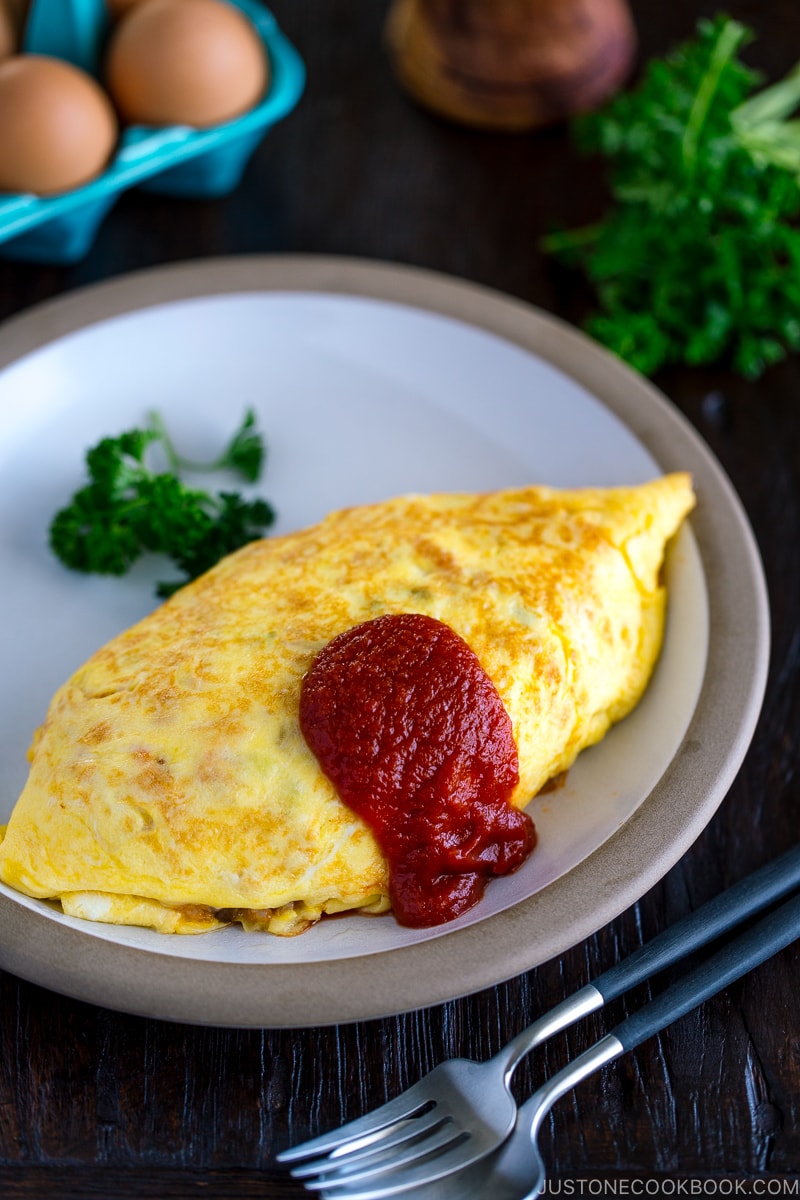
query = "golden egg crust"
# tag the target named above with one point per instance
(170, 785)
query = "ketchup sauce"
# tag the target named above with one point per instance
(412, 733)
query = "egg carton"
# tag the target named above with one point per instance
(171, 160)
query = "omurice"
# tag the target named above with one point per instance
(183, 779)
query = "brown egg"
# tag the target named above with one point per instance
(58, 128)
(185, 62)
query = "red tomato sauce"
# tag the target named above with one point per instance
(415, 738)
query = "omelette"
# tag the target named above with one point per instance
(170, 784)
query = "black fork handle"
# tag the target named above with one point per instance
(764, 939)
(750, 895)
(769, 935)
(719, 915)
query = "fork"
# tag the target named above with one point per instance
(516, 1170)
(462, 1110)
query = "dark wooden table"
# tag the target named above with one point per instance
(96, 1104)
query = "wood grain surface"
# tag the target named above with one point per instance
(96, 1104)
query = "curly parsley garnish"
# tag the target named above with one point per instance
(128, 509)
(698, 258)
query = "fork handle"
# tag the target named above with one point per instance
(748, 950)
(716, 916)
(743, 899)
(742, 954)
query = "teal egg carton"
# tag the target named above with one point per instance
(171, 160)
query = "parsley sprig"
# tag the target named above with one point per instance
(127, 508)
(243, 454)
(698, 258)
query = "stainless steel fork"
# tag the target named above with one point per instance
(462, 1111)
(516, 1170)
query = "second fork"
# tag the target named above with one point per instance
(463, 1110)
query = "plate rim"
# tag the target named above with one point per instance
(613, 877)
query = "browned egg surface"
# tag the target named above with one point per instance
(170, 783)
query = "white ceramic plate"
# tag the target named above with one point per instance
(368, 382)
